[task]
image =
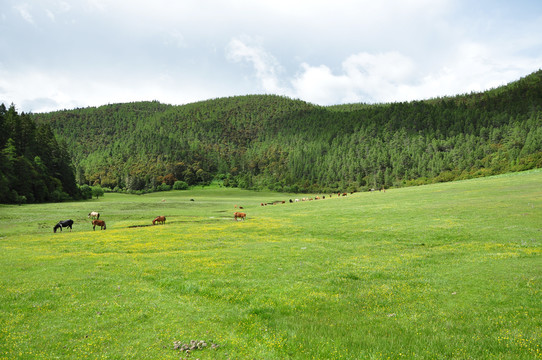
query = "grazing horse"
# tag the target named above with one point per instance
(100, 223)
(94, 215)
(160, 220)
(239, 215)
(63, 223)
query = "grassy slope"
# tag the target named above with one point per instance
(450, 270)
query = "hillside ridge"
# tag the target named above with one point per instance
(271, 141)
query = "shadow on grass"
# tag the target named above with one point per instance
(209, 220)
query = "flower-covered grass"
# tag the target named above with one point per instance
(444, 271)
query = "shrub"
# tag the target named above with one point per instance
(180, 185)
(86, 192)
(163, 187)
(97, 191)
(59, 196)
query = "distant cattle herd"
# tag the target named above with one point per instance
(317, 197)
(95, 216)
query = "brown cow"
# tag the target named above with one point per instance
(239, 215)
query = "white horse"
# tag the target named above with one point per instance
(94, 215)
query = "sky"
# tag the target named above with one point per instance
(62, 54)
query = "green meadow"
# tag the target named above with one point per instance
(443, 271)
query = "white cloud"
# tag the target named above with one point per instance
(50, 15)
(365, 77)
(265, 65)
(100, 5)
(33, 90)
(317, 84)
(175, 38)
(42, 91)
(24, 10)
(56, 8)
(387, 76)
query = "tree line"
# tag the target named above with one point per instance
(264, 141)
(34, 166)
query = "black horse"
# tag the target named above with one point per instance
(64, 223)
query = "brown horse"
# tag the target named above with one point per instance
(160, 220)
(99, 223)
(239, 215)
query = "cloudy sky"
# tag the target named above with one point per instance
(64, 54)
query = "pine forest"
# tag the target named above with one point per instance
(277, 143)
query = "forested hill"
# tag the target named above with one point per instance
(34, 166)
(275, 142)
